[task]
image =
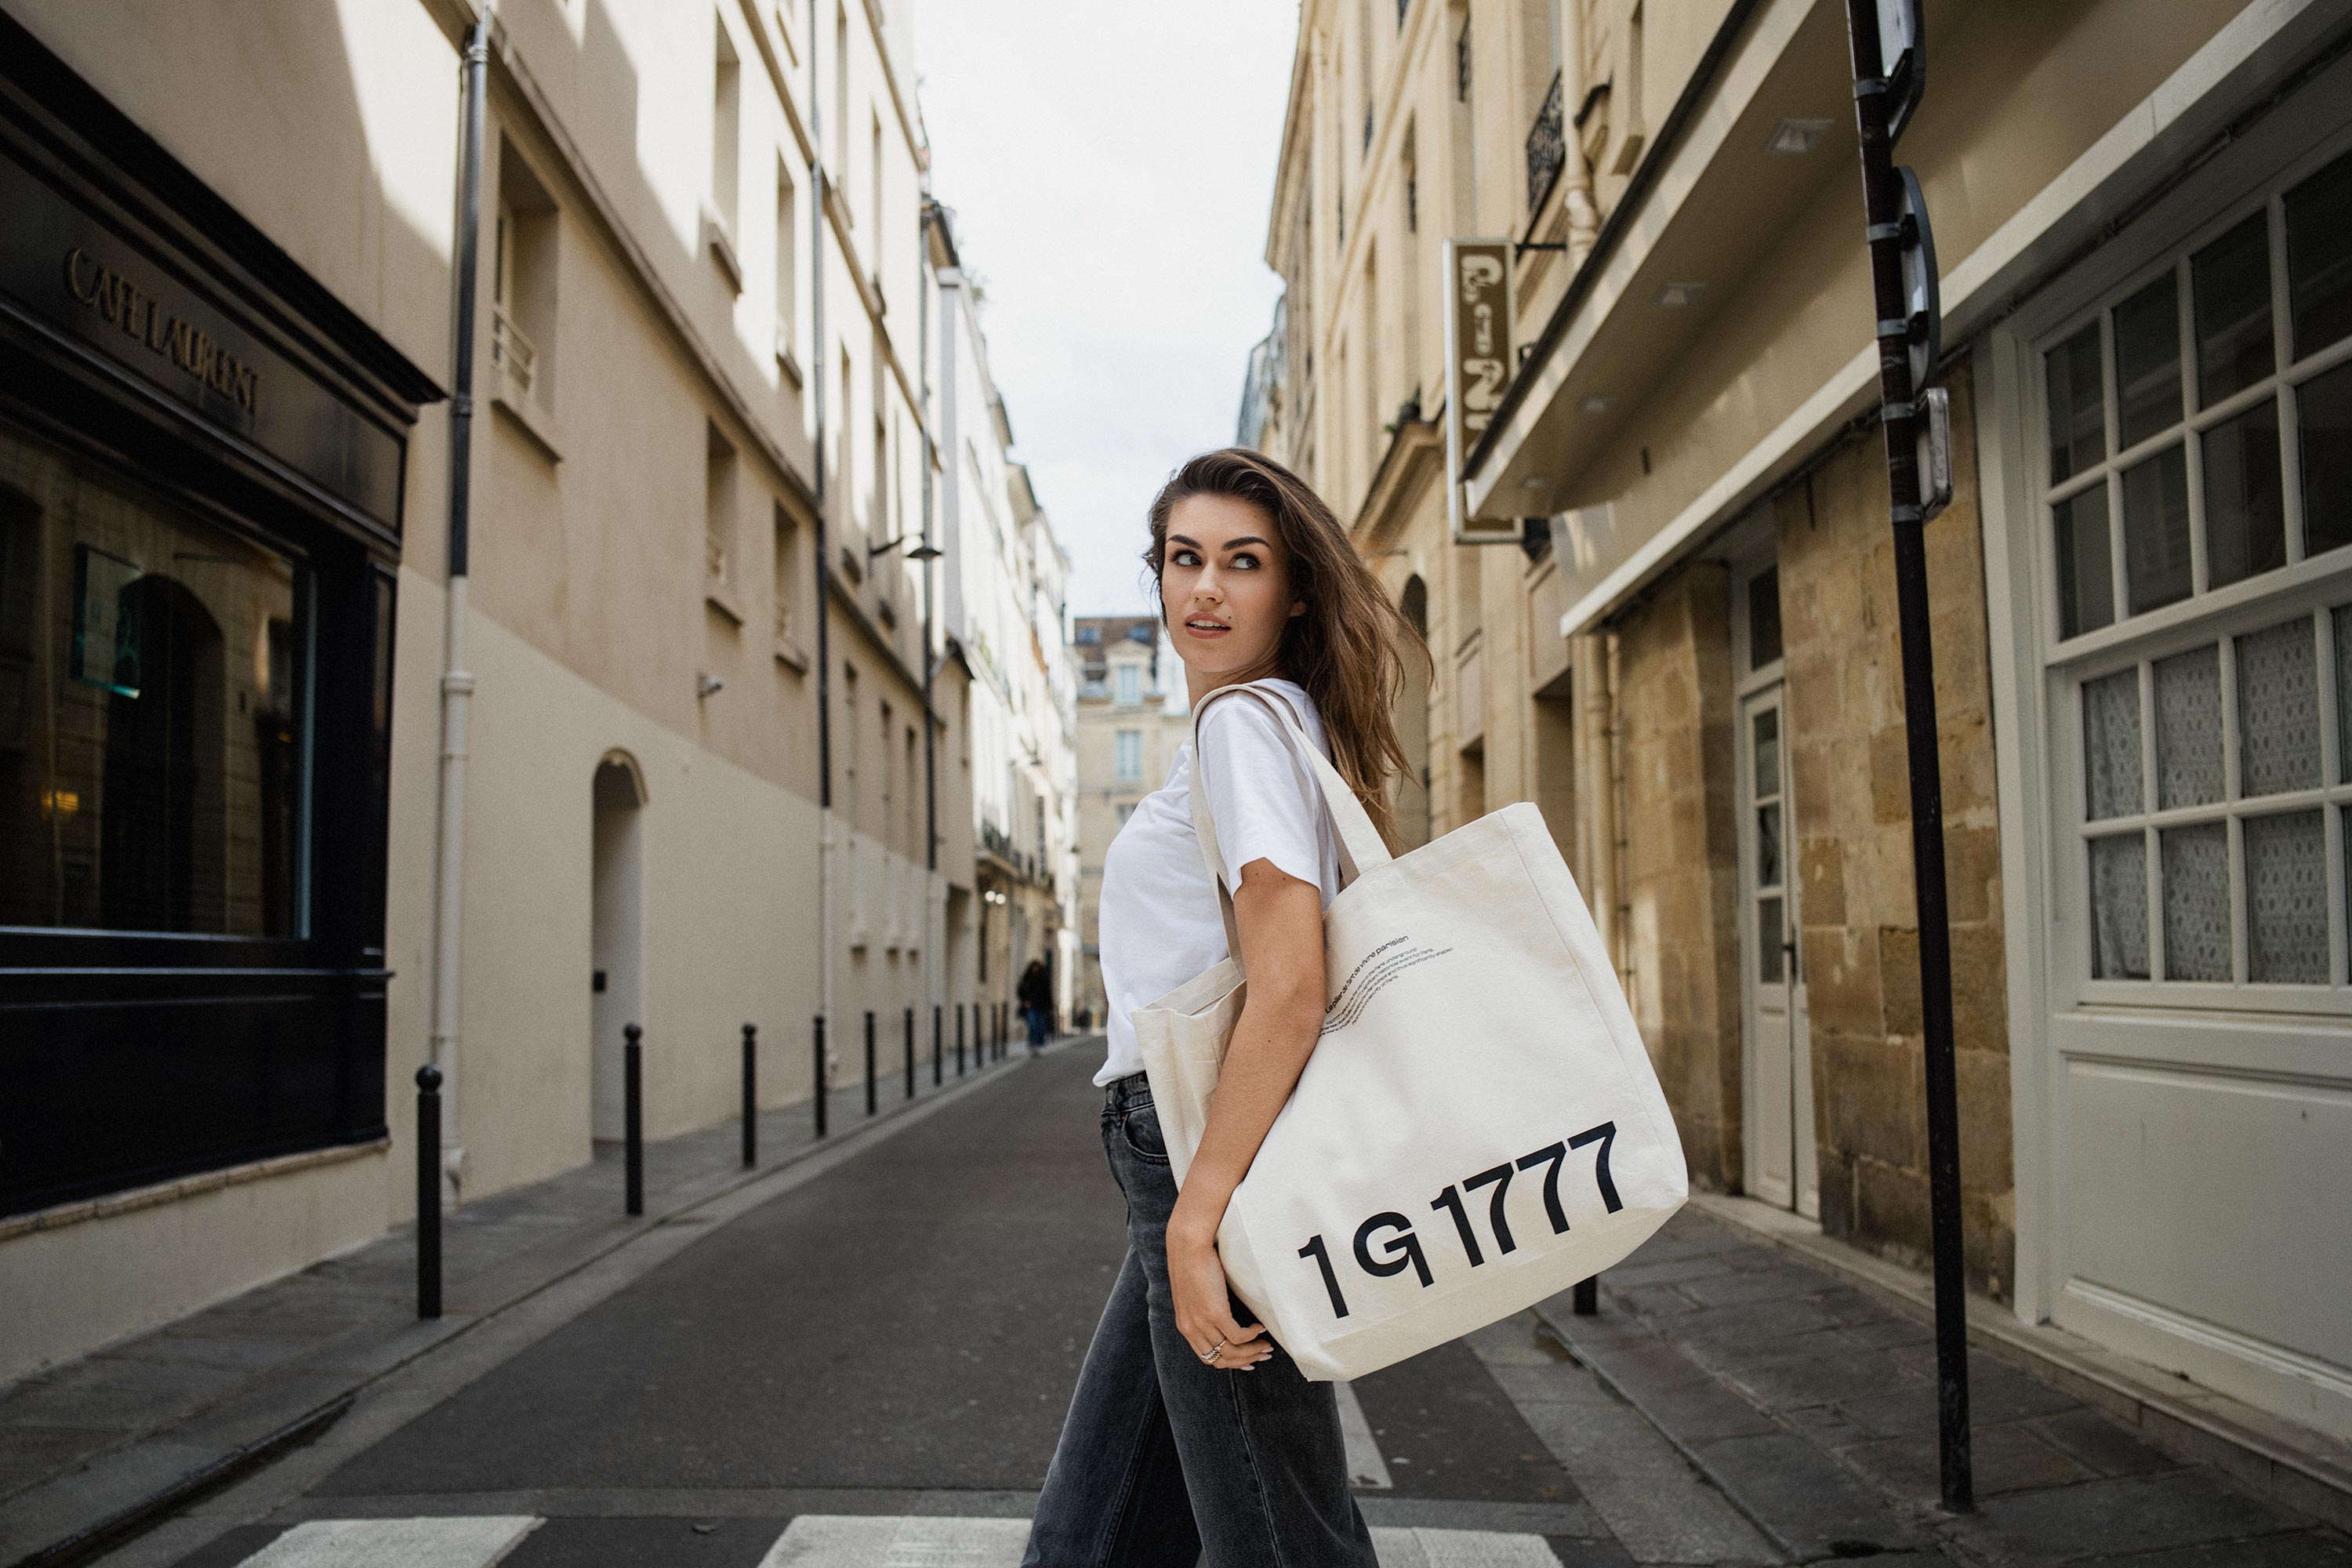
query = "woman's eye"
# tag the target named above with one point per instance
(1246, 559)
(1184, 558)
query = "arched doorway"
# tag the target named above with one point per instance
(161, 836)
(617, 933)
(1412, 721)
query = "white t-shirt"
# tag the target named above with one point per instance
(1160, 925)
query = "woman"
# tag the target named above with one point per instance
(1036, 994)
(1192, 1432)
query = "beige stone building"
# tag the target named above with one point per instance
(287, 815)
(2142, 598)
(1133, 714)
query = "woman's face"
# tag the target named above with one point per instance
(1225, 589)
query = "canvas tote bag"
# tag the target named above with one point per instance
(1479, 1126)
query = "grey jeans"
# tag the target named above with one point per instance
(1165, 1463)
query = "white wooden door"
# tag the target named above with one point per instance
(1781, 1160)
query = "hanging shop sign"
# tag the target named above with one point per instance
(1478, 365)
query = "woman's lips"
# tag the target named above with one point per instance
(1206, 628)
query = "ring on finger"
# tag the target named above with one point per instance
(1209, 1357)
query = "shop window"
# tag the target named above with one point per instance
(153, 679)
(2199, 500)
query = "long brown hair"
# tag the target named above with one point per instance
(1345, 650)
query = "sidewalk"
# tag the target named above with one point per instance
(95, 1447)
(1809, 1399)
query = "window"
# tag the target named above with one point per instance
(874, 246)
(156, 781)
(787, 563)
(726, 127)
(889, 781)
(1130, 685)
(522, 285)
(849, 744)
(1129, 759)
(2197, 446)
(788, 283)
(718, 512)
(840, 96)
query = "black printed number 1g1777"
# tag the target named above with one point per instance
(1401, 1249)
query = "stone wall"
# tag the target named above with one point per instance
(1852, 809)
(1681, 857)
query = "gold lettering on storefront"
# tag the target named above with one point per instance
(120, 303)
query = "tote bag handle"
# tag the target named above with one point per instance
(1359, 844)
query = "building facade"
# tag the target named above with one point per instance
(2140, 596)
(1133, 715)
(1005, 633)
(299, 799)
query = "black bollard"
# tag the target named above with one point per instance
(751, 1095)
(938, 1056)
(958, 1040)
(869, 1061)
(817, 1096)
(428, 1191)
(1588, 1298)
(632, 1114)
(910, 1053)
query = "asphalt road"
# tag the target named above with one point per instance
(897, 1336)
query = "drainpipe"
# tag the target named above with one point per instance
(934, 897)
(456, 681)
(820, 369)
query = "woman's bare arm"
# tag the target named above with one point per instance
(1280, 920)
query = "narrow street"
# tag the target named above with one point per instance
(892, 1342)
(860, 1358)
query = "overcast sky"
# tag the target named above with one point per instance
(1110, 164)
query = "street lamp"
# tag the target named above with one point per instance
(922, 551)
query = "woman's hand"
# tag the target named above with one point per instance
(1204, 1314)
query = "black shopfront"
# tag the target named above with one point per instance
(202, 461)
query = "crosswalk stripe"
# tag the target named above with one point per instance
(837, 1540)
(1365, 1467)
(459, 1543)
(820, 1541)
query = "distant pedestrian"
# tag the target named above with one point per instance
(1035, 994)
(1174, 1448)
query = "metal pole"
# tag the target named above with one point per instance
(632, 1114)
(816, 1057)
(428, 1191)
(869, 1061)
(910, 1053)
(958, 1040)
(751, 1095)
(1588, 1298)
(1880, 207)
(938, 1056)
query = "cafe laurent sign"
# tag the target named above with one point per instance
(1478, 365)
(123, 304)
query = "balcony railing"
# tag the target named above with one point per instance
(511, 352)
(1547, 149)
